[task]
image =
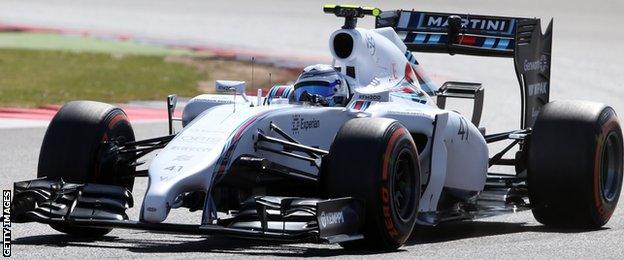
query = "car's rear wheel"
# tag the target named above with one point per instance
(575, 164)
(73, 150)
(375, 160)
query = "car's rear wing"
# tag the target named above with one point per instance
(519, 38)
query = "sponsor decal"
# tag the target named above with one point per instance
(299, 123)
(370, 44)
(200, 139)
(200, 130)
(174, 168)
(371, 97)
(190, 149)
(541, 64)
(183, 157)
(6, 223)
(408, 113)
(331, 218)
(225, 88)
(540, 88)
(388, 222)
(220, 101)
(478, 23)
(314, 123)
(385, 193)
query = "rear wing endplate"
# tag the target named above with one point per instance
(494, 36)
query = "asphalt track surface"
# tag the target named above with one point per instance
(587, 64)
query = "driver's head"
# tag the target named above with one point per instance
(322, 84)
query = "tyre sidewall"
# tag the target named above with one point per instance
(606, 125)
(107, 171)
(398, 141)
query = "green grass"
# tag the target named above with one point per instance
(40, 77)
(51, 41)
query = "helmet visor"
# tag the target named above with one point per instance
(320, 88)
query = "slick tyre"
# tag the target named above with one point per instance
(375, 161)
(575, 164)
(73, 150)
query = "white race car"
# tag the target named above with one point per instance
(357, 152)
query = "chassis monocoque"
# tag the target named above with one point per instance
(363, 174)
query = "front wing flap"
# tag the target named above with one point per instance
(268, 218)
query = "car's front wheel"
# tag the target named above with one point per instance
(375, 160)
(73, 150)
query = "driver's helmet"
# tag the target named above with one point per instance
(321, 84)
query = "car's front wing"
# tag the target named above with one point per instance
(264, 217)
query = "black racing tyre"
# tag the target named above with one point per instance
(575, 164)
(72, 150)
(375, 160)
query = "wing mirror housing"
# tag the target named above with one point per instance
(231, 86)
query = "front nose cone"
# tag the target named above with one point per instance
(155, 208)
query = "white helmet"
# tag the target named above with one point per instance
(322, 84)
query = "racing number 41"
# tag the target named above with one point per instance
(462, 129)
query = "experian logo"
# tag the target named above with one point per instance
(331, 218)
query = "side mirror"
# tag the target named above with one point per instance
(230, 86)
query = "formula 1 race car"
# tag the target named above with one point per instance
(357, 152)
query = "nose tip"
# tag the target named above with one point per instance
(155, 209)
(154, 214)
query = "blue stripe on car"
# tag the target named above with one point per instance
(489, 42)
(502, 44)
(435, 38)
